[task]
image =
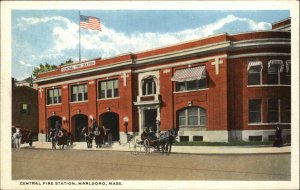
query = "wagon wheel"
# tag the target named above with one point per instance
(147, 145)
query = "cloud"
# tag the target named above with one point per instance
(25, 64)
(109, 42)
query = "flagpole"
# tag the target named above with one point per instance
(79, 38)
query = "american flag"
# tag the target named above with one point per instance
(89, 22)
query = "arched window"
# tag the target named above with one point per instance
(192, 117)
(148, 86)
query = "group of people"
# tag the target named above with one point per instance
(18, 137)
(100, 134)
(149, 133)
(60, 136)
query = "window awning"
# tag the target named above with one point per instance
(253, 64)
(195, 73)
(276, 62)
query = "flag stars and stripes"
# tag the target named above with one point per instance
(89, 22)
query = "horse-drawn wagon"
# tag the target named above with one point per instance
(162, 143)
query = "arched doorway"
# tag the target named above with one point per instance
(110, 121)
(79, 121)
(52, 121)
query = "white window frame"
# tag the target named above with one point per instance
(261, 114)
(279, 114)
(185, 110)
(105, 91)
(278, 71)
(59, 95)
(83, 100)
(260, 77)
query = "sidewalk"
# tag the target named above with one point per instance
(175, 149)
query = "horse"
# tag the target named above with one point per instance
(88, 134)
(17, 137)
(167, 138)
(61, 138)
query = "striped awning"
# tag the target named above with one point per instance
(195, 73)
(276, 62)
(253, 64)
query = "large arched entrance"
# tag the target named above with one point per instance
(79, 121)
(52, 121)
(110, 121)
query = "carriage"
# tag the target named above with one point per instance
(163, 143)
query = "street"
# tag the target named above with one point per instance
(39, 164)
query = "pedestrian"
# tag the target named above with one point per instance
(29, 136)
(95, 125)
(278, 137)
(97, 137)
(57, 126)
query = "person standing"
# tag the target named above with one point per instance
(94, 125)
(29, 136)
(278, 137)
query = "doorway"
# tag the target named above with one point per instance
(110, 121)
(78, 123)
(150, 119)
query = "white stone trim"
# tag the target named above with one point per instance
(79, 72)
(268, 85)
(180, 63)
(84, 79)
(187, 91)
(243, 135)
(144, 75)
(184, 52)
(258, 55)
(103, 99)
(273, 123)
(208, 136)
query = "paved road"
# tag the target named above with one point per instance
(111, 165)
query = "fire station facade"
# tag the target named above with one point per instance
(216, 89)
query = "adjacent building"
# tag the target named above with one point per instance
(25, 105)
(216, 89)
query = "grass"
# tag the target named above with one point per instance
(239, 143)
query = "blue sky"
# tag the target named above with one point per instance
(52, 35)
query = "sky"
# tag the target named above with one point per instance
(52, 36)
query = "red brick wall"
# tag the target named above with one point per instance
(25, 95)
(239, 94)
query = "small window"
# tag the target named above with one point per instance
(271, 138)
(198, 138)
(108, 89)
(184, 138)
(25, 109)
(255, 138)
(79, 93)
(254, 111)
(273, 110)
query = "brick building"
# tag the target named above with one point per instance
(25, 105)
(217, 89)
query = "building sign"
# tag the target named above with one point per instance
(77, 66)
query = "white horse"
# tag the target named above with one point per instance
(17, 136)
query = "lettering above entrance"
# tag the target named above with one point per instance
(78, 66)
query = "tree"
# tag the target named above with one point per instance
(43, 68)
